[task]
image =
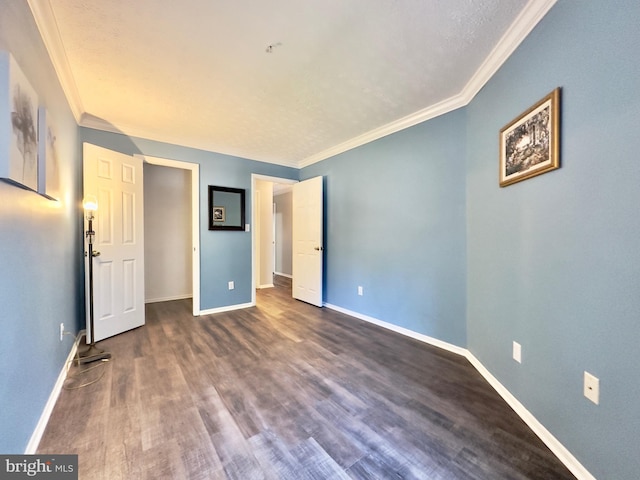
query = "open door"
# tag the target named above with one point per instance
(307, 241)
(115, 180)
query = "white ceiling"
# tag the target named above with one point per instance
(340, 72)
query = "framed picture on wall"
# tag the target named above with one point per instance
(18, 165)
(218, 214)
(530, 144)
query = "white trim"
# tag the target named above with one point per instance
(404, 331)
(195, 220)
(283, 274)
(228, 308)
(90, 121)
(254, 266)
(526, 21)
(36, 436)
(559, 450)
(267, 285)
(532, 13)
(520, 29)
(48, 27)
(168, 299)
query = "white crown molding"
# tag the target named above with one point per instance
(89, 121)
(409, 121)
(530, 16)
(532, 13)
(48, 27)
(526, 21)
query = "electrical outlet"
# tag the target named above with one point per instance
(61, 331)
(517, 352)
(231, 286)
(360, 290)
(592, 388)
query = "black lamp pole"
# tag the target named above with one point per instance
(92, 353)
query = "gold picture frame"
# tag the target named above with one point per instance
(530, 144)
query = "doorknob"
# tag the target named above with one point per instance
(95, 254)
(318, 248)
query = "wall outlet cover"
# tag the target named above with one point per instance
(517, 352)
(592, 388)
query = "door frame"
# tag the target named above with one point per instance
(265, 178)
(195, 218)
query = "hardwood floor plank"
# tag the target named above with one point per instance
(285, 390)
(316, 463)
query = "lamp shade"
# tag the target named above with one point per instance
(90, 203)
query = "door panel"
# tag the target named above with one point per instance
(307, 241)
(116, 181)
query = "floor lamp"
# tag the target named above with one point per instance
(91, 353)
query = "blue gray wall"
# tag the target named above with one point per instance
(553, 261)
(417, 219)
(40, 252)
(224, 255)
(395, 224)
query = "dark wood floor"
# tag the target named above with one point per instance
(288, 391)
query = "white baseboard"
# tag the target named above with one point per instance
(559, 450)
(404, 331)
(266, 285)
(36, 436)
(168, 299)
(284, 274)
(228, 308)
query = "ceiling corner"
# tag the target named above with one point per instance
(46, 23)
(526, 21)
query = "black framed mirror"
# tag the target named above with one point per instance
(226, 208)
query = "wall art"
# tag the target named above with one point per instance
(48, 167)
(530, 144)
(19, 125)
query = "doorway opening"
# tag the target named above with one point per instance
(272, 232)
(172, 246)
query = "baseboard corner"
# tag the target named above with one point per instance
(36, 436)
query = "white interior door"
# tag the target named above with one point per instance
(307, 241)
(115, 180)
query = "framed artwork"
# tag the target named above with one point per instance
(530, 144)
(19, 107)
(48, 170)
(218, 214)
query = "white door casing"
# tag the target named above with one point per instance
(116, 181)
(195, 218)
(307, 241)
